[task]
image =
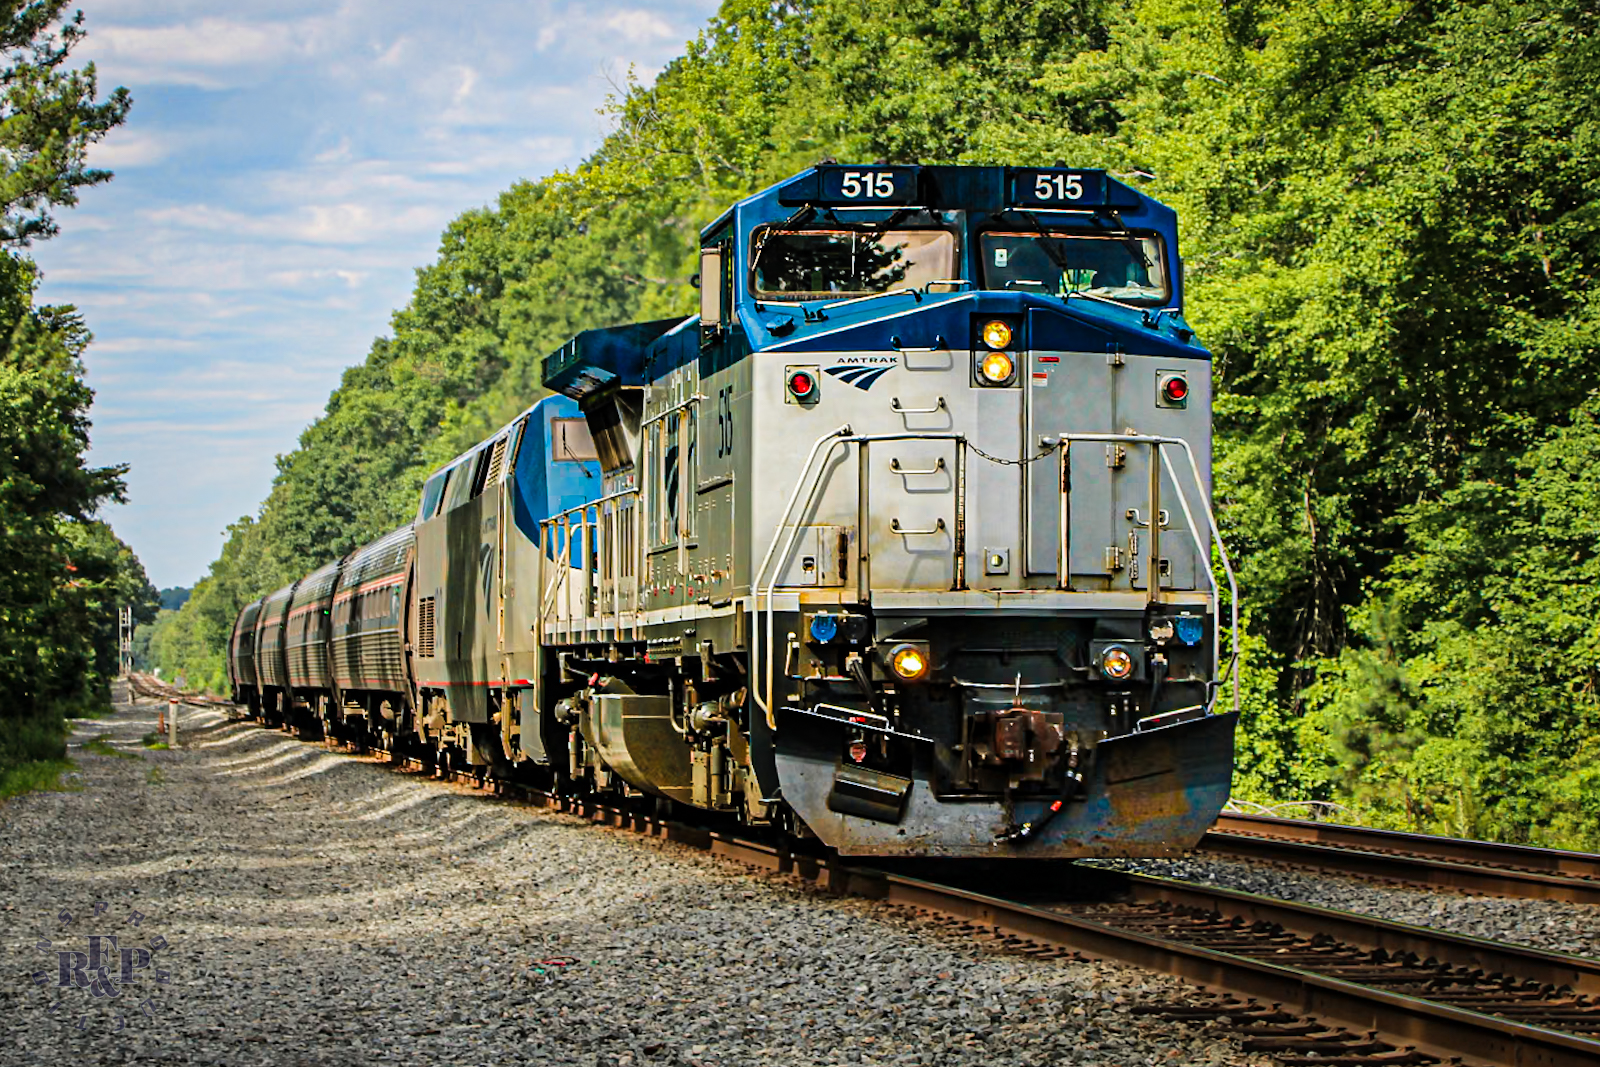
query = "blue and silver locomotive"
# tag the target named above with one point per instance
(903, 543)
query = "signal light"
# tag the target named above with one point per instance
(802, 386)
(910, 662)
(996, 368)
(1172, 390)
(997, 333)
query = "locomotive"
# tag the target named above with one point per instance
(903, 543)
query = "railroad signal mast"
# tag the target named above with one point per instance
(124, 641)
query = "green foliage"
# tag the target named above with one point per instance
(1391, 236)
(62, 573)
(49, 116)
(37, 776)
(102, 746)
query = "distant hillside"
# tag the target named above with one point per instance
(175, 598)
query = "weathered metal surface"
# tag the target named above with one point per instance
(310, 622)
(366, 637)
(272, 665)
(1151, 794)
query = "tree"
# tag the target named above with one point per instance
(61, 573)
(49, 116)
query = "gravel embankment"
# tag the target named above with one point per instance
(327, 910)
(1552, 925)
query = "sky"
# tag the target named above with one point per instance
(286, 167)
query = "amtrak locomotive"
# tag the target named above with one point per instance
(903, 543)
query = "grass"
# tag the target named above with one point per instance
(37, 776)
(154, 775)
(153, 740)
(101, 746)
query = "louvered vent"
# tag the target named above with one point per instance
(425, 627)
(497, 462)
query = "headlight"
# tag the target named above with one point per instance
(997, 334)
(996, 368)
(910, 662)
(1115, 663)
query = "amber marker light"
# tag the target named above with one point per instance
(1115, 663)
(997, 333)
(909, 662)
(996, 368)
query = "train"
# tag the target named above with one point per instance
(904, 543)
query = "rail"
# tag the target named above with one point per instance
(1517, 871)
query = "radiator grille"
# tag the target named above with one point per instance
(425, 627)
(497, 462)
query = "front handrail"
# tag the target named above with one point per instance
(810, 478)
(1157, 446)
(589, 534)
(825, 445)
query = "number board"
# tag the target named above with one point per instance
(1057, 187)
(868, 185)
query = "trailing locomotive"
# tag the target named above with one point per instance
(904, 542)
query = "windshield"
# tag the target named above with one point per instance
(818, 264)
(1124, 267)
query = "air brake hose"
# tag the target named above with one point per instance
(1019, 834)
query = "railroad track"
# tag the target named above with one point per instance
(1440, 862)
(1308, 985)
(147, 686)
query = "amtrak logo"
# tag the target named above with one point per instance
(862, 371)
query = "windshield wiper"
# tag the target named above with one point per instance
(805, 212)
(1044, 243)
(1133, 243)
(895, 218)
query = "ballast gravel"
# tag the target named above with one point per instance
(1552, 925)
(313, 908)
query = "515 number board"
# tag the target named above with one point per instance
(1047, 187)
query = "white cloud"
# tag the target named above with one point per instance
(641, 27)
(124, 149)
(286, 167)
(209, 53)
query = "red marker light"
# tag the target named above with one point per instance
(1175, 389)
(801, 384)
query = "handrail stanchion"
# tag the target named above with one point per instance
(1152, 577)
(959, 537)
(1064, 516)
